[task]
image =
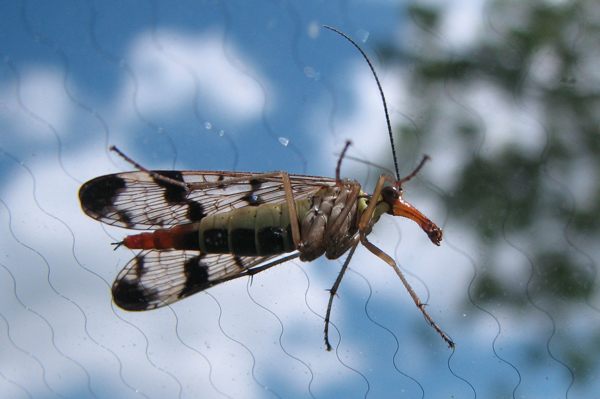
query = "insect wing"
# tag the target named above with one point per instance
(136, 200)
(157, 278)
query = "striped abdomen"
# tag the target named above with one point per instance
(249, 231)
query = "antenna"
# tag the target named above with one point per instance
(387, 116)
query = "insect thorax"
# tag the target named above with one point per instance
(330, 224)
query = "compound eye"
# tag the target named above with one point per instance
(391, 194)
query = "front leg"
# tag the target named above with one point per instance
(387, 259)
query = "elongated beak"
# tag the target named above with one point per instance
(402, 208)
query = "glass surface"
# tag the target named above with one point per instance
(502, 95)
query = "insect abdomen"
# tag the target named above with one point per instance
(184, 236)
(249, 231)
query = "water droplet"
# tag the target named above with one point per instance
(313, 30)
(284, 141)
(308, 71)
(207, 125)
(122, 63)
(161, 130)
(222, 133)
(363, 35)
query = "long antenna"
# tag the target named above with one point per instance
(387, 116)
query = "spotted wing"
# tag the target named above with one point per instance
(136, 200)
(158, 278)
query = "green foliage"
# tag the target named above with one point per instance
(540, 56)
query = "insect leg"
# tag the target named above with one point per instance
(154, 175)
(289, 195)
(385, 257)
(258, 269)
(339, 164)
(352, 197)
(417, 169)
(333, 291)
(368, 213)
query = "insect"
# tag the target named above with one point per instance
(211, 227)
